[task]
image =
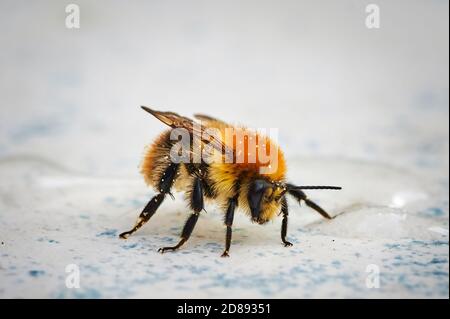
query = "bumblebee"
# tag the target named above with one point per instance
(238, 183)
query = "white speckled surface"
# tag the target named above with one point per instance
(365, 109)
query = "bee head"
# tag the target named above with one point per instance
(264, 199)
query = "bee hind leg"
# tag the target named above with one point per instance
(165, 185)
(196, 202)
(146, 214)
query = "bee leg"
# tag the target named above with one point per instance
(146, 214)
(185, 234)
(229, 223)
(150, 209)
(300, 195)
(196, 203)
(284, 224)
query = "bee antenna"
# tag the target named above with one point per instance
(293, 187)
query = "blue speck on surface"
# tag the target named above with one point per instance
(393, 246)
(440, 273)
(51, 241)
(167, 239)
(434, 212)
(439, 243)
(81, 293)
(36, 273)
(108, 233)
(130, 246)
(438, 261)
(336, 263)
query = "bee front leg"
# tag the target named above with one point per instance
(229, 223)
(284, 224)
(196, 202)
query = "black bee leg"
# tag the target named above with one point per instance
(284, 224)
(146, 214)
(229, 223)
(300, 195)
(196, 203)
(165, 184)
(185, 234)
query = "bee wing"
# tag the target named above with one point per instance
(210, 120)
(196, 129)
